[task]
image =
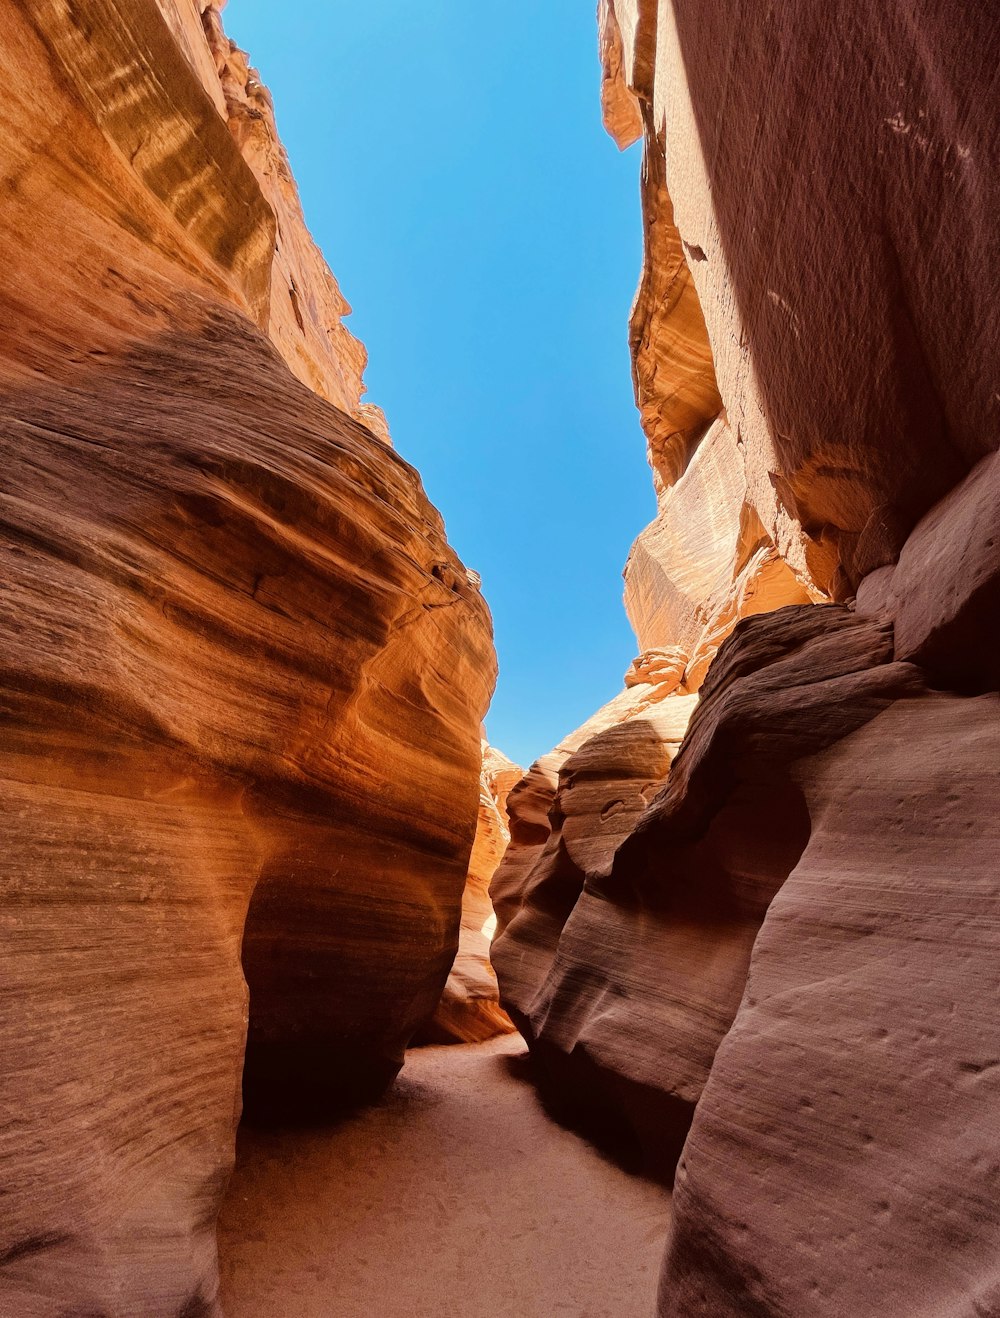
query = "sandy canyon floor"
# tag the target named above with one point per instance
(456, 1195)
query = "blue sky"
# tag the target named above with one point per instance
(454, 170)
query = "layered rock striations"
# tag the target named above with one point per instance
(305, 307)
(843, 1154)
(469, 1010)
(772, 963)
(243, 673)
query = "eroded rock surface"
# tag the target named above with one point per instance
(241, 667)
(843, 1156)
(469, 1010)
(778, 976)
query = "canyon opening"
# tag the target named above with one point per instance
(316, 1003)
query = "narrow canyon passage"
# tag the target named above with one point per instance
(253, 823)
(455, 1194)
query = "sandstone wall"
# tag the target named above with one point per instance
(469, 1010)
(772, 965)
(305, 309)
(242, 668)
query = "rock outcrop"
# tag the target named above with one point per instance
(305, 307)
(243, 673)
(469, 1010)
(770, 963)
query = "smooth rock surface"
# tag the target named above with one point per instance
(624, 956)
(843, 1158)
(831, 197)
(944, 593)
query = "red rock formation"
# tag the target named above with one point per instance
(780, 971)
(469, 1010)
(304, 319)
(568, 815)
(306, 306)
(831, 195)
(705, 561)
(843, 1156)
(241, 667)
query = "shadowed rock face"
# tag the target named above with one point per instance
(833, 185)
(843, 1154)
(624, 956)
(242, 670)
(778, 979)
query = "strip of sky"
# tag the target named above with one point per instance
(454, 169)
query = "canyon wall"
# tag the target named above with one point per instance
(469, 1010)
(243, 673)
(747, 919)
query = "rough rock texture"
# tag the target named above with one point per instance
(306, 306)
(705, 561)
(241, 667)
(782, 971)
(469, 1010)
(843, 1157)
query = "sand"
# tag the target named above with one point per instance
(456, 1195)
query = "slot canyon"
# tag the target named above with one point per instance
(315, 1004)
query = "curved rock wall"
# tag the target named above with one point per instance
(469, 1010)
(843, 1154)
(832, 183)
(242, 668)
(305, 307)
(772, 966)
